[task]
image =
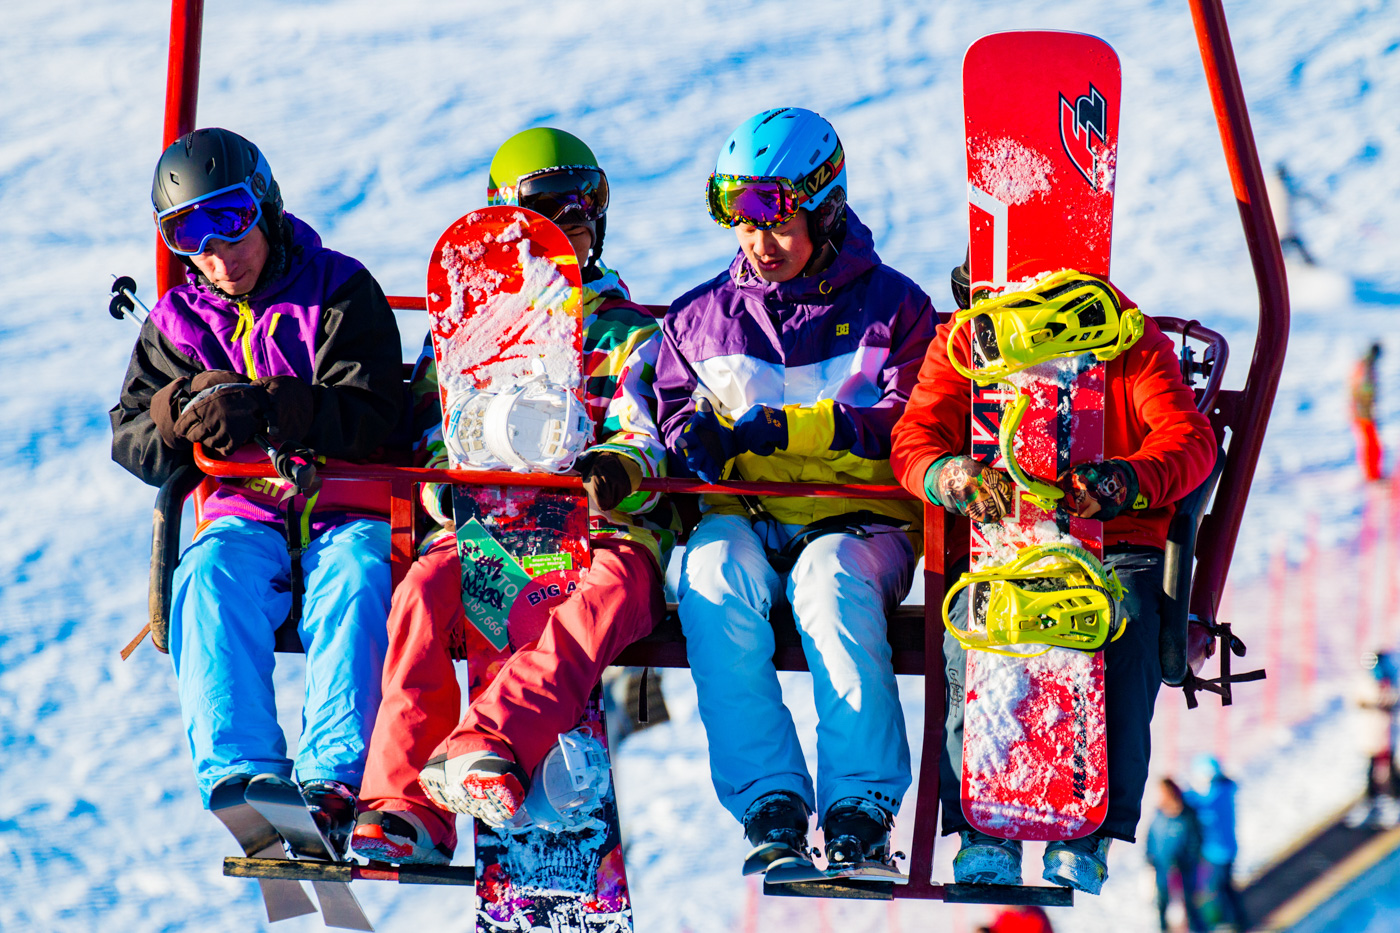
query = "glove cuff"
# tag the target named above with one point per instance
(810, 428)
(931, 479)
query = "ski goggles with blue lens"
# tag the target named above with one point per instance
(227, 214)
(766, 201)
(565, 194)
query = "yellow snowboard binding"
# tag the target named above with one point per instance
(1063, 315)
(1068, 601)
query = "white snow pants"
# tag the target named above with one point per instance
(840, 590)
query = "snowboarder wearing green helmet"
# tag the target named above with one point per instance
(423, 763)
(793, 365)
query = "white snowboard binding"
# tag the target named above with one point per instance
(533, 425)
(569, 787)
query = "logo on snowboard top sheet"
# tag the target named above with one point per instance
(1081, 123)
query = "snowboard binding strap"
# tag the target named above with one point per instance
(1042, 495)
(1063, 315)
(1079, 610)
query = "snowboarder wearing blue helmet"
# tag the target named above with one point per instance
(794, 364)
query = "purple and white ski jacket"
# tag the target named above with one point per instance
(838, 351)
(322, 318)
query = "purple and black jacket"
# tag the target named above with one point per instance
(322, 318)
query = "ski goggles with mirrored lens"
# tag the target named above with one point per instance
(566, 194)
(762, 202)
(228, 214)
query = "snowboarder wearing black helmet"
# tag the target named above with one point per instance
(271, 334)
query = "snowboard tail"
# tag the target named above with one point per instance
(569, 882)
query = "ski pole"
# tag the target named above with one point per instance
(294, 463)
(124, 300)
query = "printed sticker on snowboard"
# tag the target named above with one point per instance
(1041, 155)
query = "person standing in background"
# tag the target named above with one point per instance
(1281, 189)
(1212, 795)
(1174, 843)
(1376, 697)
(1369, 454)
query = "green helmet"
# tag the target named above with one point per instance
(554, 173)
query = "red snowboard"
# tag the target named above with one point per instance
(505, 297)
(1041, 149)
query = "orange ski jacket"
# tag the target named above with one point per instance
(1150, 420)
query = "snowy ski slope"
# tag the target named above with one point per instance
(379, 121)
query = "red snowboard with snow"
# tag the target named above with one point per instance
(505, 298)
(1041, 115)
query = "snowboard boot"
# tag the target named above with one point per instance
(985, 859)
(404, 837)
(776, 826)
(856, 831)
(479, 784)
(333, 806)
(1081, 864)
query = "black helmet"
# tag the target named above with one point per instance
(209, 160)
(961, 282)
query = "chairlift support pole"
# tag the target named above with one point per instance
(181, 96)
(1249, 414)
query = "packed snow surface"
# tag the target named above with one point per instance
(379, 121)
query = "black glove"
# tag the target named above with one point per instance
(165, 411)
(970, 487)
(291, 406)
(605, 480)
(168, 404)
(215, 377)
(224, 417)
(1102, 490)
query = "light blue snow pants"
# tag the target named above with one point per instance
(840, 590)
(231, 592)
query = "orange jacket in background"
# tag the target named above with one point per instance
(1150, 420)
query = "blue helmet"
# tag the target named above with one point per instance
(798, 145)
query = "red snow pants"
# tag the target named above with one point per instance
(539, 691)
(1368, 448)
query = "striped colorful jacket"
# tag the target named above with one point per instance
(620, 343)
(839, 352)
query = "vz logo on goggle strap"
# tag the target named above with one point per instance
(821, 176)
(1080, 123)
